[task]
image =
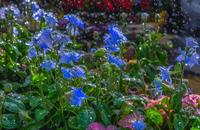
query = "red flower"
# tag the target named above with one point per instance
(123, 4)
(105, 5)
(73, 4)
(145, 5)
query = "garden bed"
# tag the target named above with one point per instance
(77, 72)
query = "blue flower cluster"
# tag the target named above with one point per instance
(190, 57)
(114, 39)
(44, 39)
(39, 14)
(12, 8)
(74, 72)
(70, 57)
(48, 65)
(75, 21)
(74, 24)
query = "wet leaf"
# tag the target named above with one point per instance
(14, 105)
(105, 114)
(9, 121)
(180, 122)
(72, 122)
(85, 117)
(34, 101)
(40, 114)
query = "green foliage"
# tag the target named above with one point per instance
(154, 116)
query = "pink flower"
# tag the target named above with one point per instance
(99, 126)
(192, 100)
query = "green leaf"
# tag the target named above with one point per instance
(40, 114)
(72, 122)
(177, 68)
(105, 114)
(9, 121)
(37, 78)
(13, 105)
(85, 117)
(100, 52)
(180, 122)
(195, 128)
(155, 116)
(34, 101)
(176, 101)
(128, 98)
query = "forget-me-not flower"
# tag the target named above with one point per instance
(75, 21)
(34, 7)
(116, 60)
(50, 20)
(70, 57)
(32, 52)
(3, 13)
(191, 43)
(38, 15)
(15, 11)
(74, 72)
(77, 97)
(181, 56)
(165, 74)
(192, 60)
(139, 125)
(48, 65)
(114, 39)
(44, 39)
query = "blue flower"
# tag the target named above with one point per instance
(78, 72)
(3, 13)
(165, 74)
(116, 34)
(191, 43)
(77, 97)
(192, 60)
(75, 72)
(32, 53)
(15, 11)
(70, 57)
(50, 20)
(110, 44)
(114, 39)
(182, 55)
(66, 73)
(44, 39)
(115, 60)
(60, 38)
(75, 21)
(139, 125)
(35, 7)
(38, 15)
(48, 65)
